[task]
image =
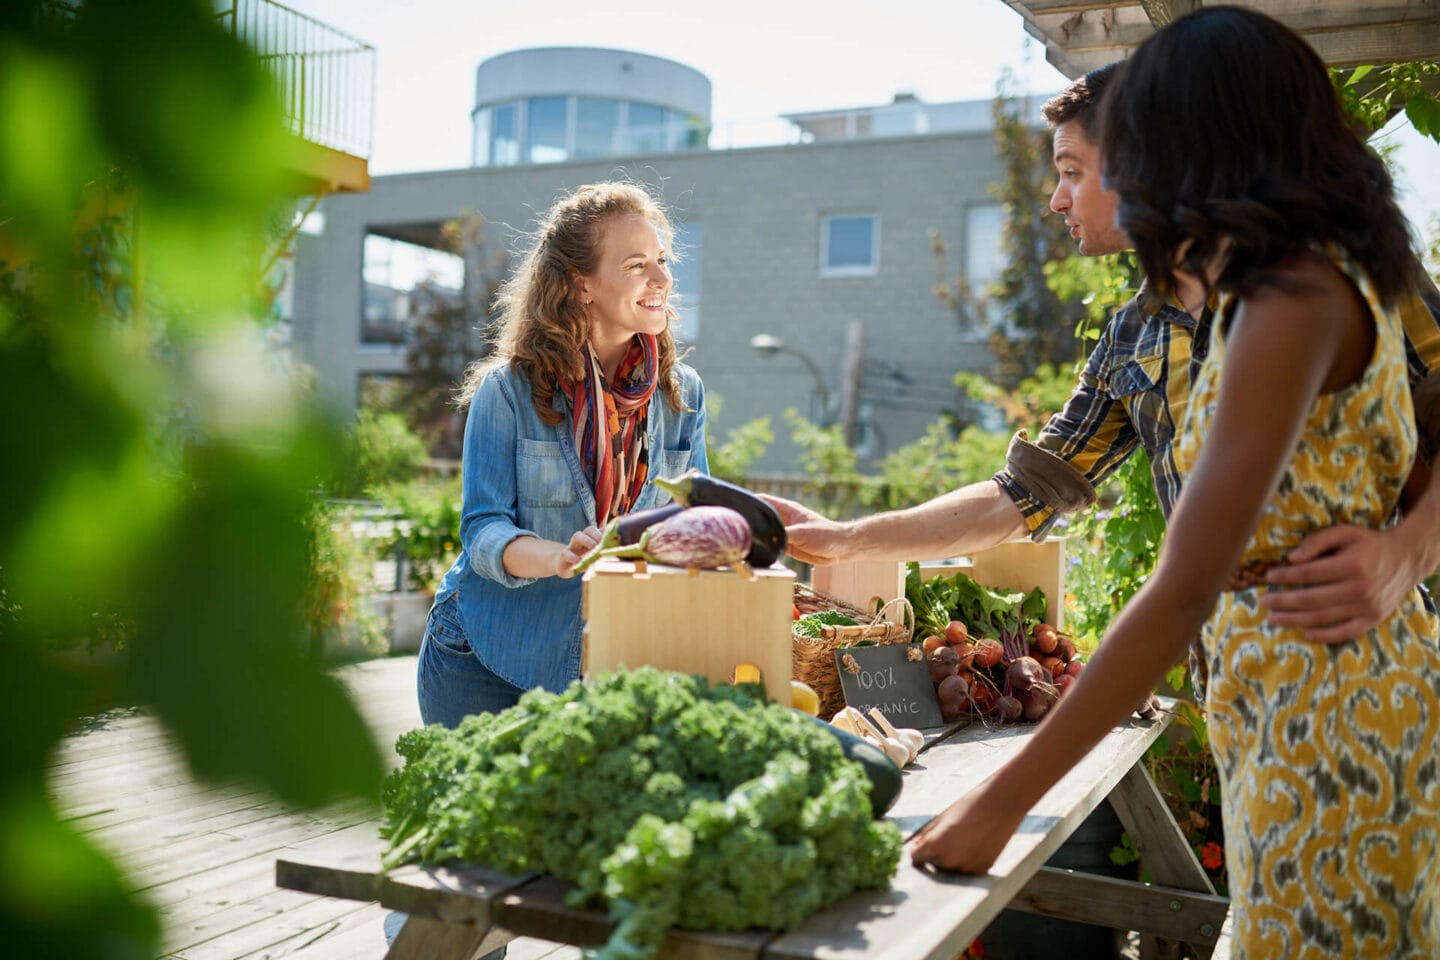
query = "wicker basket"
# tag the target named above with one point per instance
(813, 658)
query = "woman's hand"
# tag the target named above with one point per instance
(581, 543)
(969, 834)
(810, 537)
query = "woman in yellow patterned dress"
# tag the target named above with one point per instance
(1301, 418)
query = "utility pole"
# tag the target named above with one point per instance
(850, 389)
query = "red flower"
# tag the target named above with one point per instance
(1212, 855)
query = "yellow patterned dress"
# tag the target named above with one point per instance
(1329, 756)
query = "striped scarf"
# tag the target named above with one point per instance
(616, 459)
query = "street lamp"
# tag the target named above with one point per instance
(767, 345)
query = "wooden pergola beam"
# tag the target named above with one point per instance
(1080, 35)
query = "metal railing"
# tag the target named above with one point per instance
(326, 78)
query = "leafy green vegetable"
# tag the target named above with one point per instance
(987, 612)
(668, 801)
(810, 624)
(932, 600)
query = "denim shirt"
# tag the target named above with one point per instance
(522, 477)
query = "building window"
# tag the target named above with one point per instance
(984, 246)
(849, 245)
(402, 280)
(546, 129)
(480, 149)
(645, 128)
(596, 123)
(685, 270)
(505, 136)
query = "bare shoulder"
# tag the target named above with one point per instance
(1310, 295)
(1308, 287)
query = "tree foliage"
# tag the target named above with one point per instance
(156, 465)
(447, 337)
(1373, 94)
(1026, 323)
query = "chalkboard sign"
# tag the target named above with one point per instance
(885, 677)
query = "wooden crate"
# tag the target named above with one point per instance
(1017, 565)
(702, 622)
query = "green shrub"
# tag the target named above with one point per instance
(382, 450)
(337, 621)
(427, 529)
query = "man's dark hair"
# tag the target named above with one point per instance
(1080, 101)
(1273, 165)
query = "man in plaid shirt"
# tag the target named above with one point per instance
(1133, 393)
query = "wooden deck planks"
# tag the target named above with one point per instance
(205, 854)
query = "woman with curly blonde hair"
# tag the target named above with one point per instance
(582, 404)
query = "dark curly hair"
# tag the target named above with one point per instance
(1080, 101)
(1224, 128)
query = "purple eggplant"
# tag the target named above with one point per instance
(767, 533)
(625, 530)
(705, 537)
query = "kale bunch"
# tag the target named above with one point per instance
(662, 798)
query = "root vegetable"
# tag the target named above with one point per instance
(953, 694)
(988, 653)
(982, 698)
(1047, 638)
(966, 653)
(1054, 665)
(1025, 672)
(1075, 667)
(932, 643)
(1035, 702)
(1065, 648)
(1063, 682)
(944, 662)
(956, 632)
(1008, 709)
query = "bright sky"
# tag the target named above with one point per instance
(763, 57)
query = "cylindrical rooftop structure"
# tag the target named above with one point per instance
(550, 104)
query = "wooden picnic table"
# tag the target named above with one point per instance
(461, 910)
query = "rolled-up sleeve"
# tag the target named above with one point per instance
(1079, 448)
(487, 522)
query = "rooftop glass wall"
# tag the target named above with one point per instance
(554, 129)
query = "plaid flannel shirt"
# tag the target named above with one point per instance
(1135, 389)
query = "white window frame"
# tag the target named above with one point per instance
(868, 270)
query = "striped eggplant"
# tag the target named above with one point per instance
(622, 531)
(705, 537)
(767, 533)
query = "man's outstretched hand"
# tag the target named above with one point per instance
(1348, 582)
(810, 537)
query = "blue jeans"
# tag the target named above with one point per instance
(452, 683)
(450, 680)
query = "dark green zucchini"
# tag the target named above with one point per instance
(767, 533)
(885, 777)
